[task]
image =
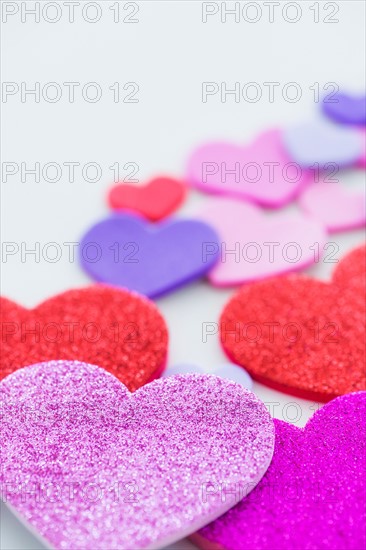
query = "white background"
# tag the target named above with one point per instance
(169, 53)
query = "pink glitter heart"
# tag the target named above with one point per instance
(89, 465)
(313, 494)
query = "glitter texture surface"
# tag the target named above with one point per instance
(229, 370)
(351, 271)
(313, 494)
(300, 335)
(91, 466)
(115, 329)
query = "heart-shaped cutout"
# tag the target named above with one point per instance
(151, 259)
(362, 159)
(313, 493)
(322, 145)
(346, 108)
(122, 332)
(334, 206)
(229, 371)
(300, 335)
(156, 200)
(119, 470)
(255, 245)
(261, 172)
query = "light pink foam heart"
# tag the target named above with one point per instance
(255, 245)
(90, 465)
(335, 207)
(261, 172)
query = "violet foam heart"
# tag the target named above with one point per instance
(89, 465)
(346, 108)
(126, 251)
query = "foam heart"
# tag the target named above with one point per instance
(261, 172)
(117, 470)
(335, 207)
(300, 335)
(122, 332)
(156, 200)
(321, 143)
(362, 160)
(351, 271)
(346, 108)
(254, 245)
(229, 371)
(152, 259)
(313, 493)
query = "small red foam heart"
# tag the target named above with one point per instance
(116, 329)
(300, 335)
(155, 201)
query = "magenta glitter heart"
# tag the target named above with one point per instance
(89, 465)
(313, 494)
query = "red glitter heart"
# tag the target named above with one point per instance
(299, 335)
(116, 329)
(156, 200)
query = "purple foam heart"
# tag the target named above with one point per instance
(346, 108)
(313, 494)
(89, 465)
(126, 251)
(321, 142)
